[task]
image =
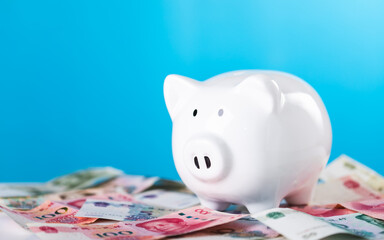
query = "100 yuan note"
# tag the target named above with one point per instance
(181, 222)
(346, 166)
(118, 231)
(370, 207)
(48, 212)
(247, 228)
(329, 210)
(297, 225)
(340, 190)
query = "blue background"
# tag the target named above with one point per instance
(81, 81)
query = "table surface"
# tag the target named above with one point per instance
(9, 229)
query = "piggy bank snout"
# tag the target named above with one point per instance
(207, 158)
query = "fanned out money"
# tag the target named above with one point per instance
(105, 203)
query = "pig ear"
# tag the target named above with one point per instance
(177, 89)
(264, 90)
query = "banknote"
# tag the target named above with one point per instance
(187, 220)
(78, 180)
(152, 208)
(131, 184)
(23, 189)
(48, 212)
(246, 227)
(84, 179)
(22, 203)
(121, 210)
(346, 166)
(202, 235)
(359, 224)
(371, 207)
(77, 194)
(120, 185)
(170, 185)
(167, 199)
(117, 231)
(340, 190)
(323, 210)
(180, 222)
(297, 225)
(107, 209)
(78, 203)
(139, 212)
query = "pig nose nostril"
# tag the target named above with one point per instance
(207, 161)
(207, 158)
(196, 162)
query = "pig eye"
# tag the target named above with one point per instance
(220, 112)
(195, 112)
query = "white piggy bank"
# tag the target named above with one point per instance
(248, 137)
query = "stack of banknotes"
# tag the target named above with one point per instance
(105, 203)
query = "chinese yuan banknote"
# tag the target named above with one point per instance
(346, 166)
(79, 180)
(23, 189)
(107, 209)
(131, 184)
(344, 189)
(170, 185)
(372, 207)
(78, 203)
(139, 212)
(349, 204)
(323, 210)
(84, 179)
(359, 224)
(48, 212)
(127, 210)
(246, 227)
(297, 225)
(22, 203)
(78, 194)
(168, 199)
(187, 220)
(181, 222)
(117, 231)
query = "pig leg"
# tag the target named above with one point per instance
(219, 206)
(302, 196)
(261, 206)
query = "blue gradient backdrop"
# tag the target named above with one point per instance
(81, 81)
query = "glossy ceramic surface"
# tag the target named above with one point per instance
(248, 137)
